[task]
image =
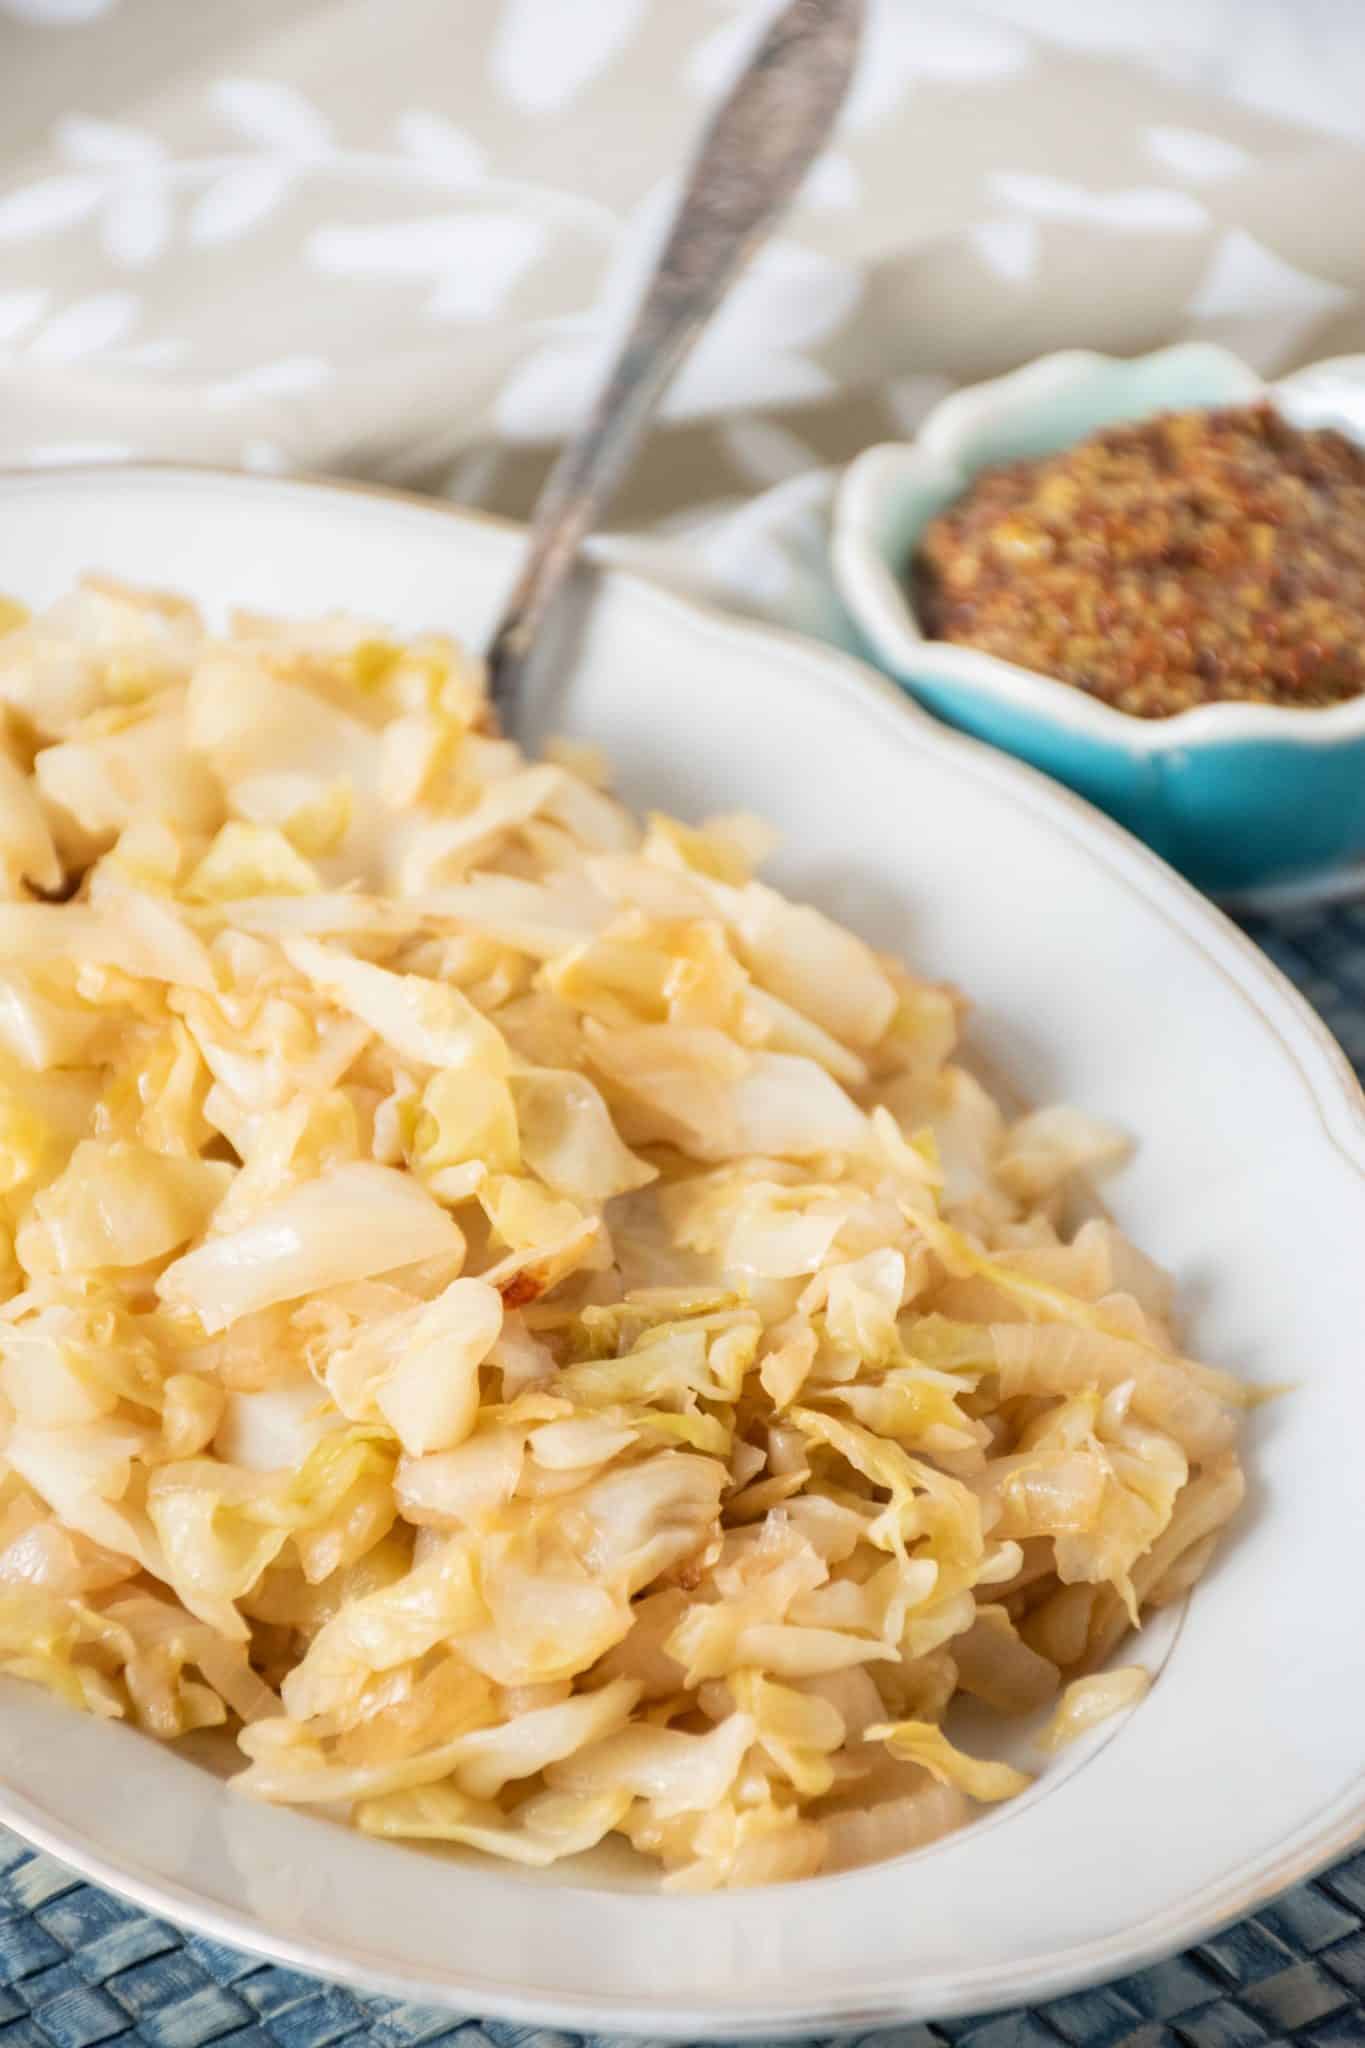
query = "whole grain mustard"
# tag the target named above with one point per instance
(1189, 559)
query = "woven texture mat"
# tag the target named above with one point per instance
(79, 1967)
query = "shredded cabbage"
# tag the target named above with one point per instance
(531, 1333)
(1088, 1701)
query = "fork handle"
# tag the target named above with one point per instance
(757, 148)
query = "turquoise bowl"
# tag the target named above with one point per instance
(1237, 796)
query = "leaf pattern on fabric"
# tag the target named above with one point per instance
(242, 198)
(47, 207)
(442, 150)
(471, 261)
(83, 329)
(544, 53)
(273, 115)
(1190, 153)
(328, 188)
(1140, 208)
(99, 144)
(19, 311)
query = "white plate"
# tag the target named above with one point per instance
(1100, 978)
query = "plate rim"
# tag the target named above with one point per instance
(1337, 1098)
(1053, 1974)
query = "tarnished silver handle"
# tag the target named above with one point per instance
(759, 145)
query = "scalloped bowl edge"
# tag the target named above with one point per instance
(1235, 795)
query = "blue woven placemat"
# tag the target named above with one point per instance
(79, 1967)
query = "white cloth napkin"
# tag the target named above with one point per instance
(396, 238)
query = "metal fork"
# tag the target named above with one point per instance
(756, 150)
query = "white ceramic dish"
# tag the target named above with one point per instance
(1099, 977)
